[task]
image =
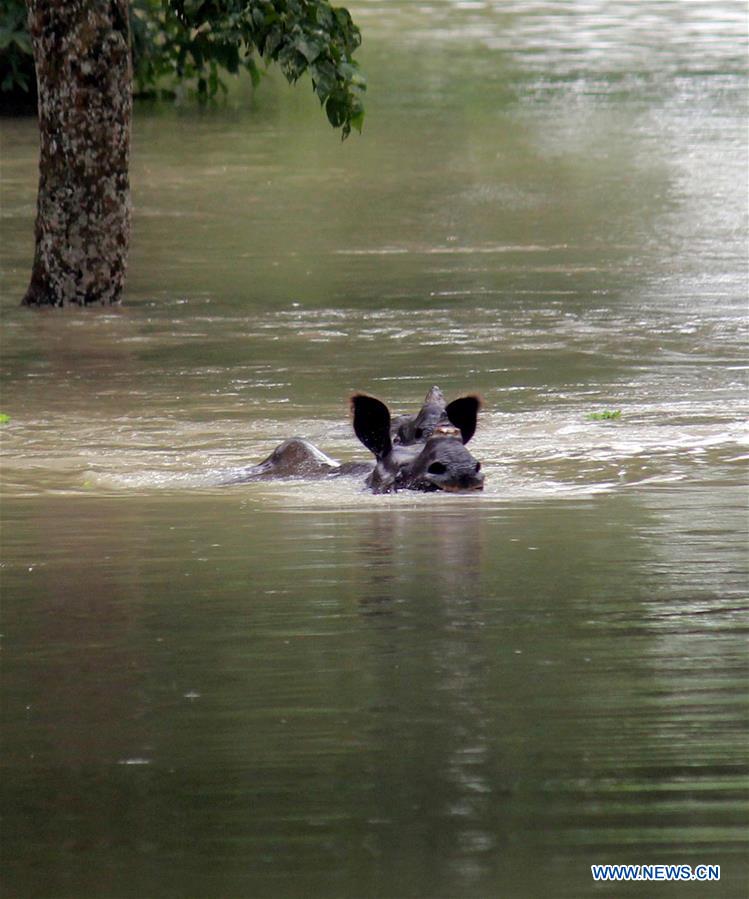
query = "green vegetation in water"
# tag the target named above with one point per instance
(4, 418)
(606, 415)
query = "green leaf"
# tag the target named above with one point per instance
(324, 78)
(324, 16)
(255, 73)
(4, 418)
(272, 43)
(22, 41)
(357, 120)
(309, 49)
(335, 109)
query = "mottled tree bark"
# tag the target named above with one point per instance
(84, 73)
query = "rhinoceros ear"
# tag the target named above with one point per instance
(372, 424)
(463, 413)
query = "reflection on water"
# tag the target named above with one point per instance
(290, 689)
(406, 701)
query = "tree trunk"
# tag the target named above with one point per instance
(84, 73)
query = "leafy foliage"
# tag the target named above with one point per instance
(198, 41)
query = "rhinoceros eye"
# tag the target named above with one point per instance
(437, 468)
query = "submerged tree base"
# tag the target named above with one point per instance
(39, 294)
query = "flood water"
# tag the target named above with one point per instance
(288, 689)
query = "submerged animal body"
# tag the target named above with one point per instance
(441, 462)
(298, 458)
(423, 452)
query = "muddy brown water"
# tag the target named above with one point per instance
(299, 689)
